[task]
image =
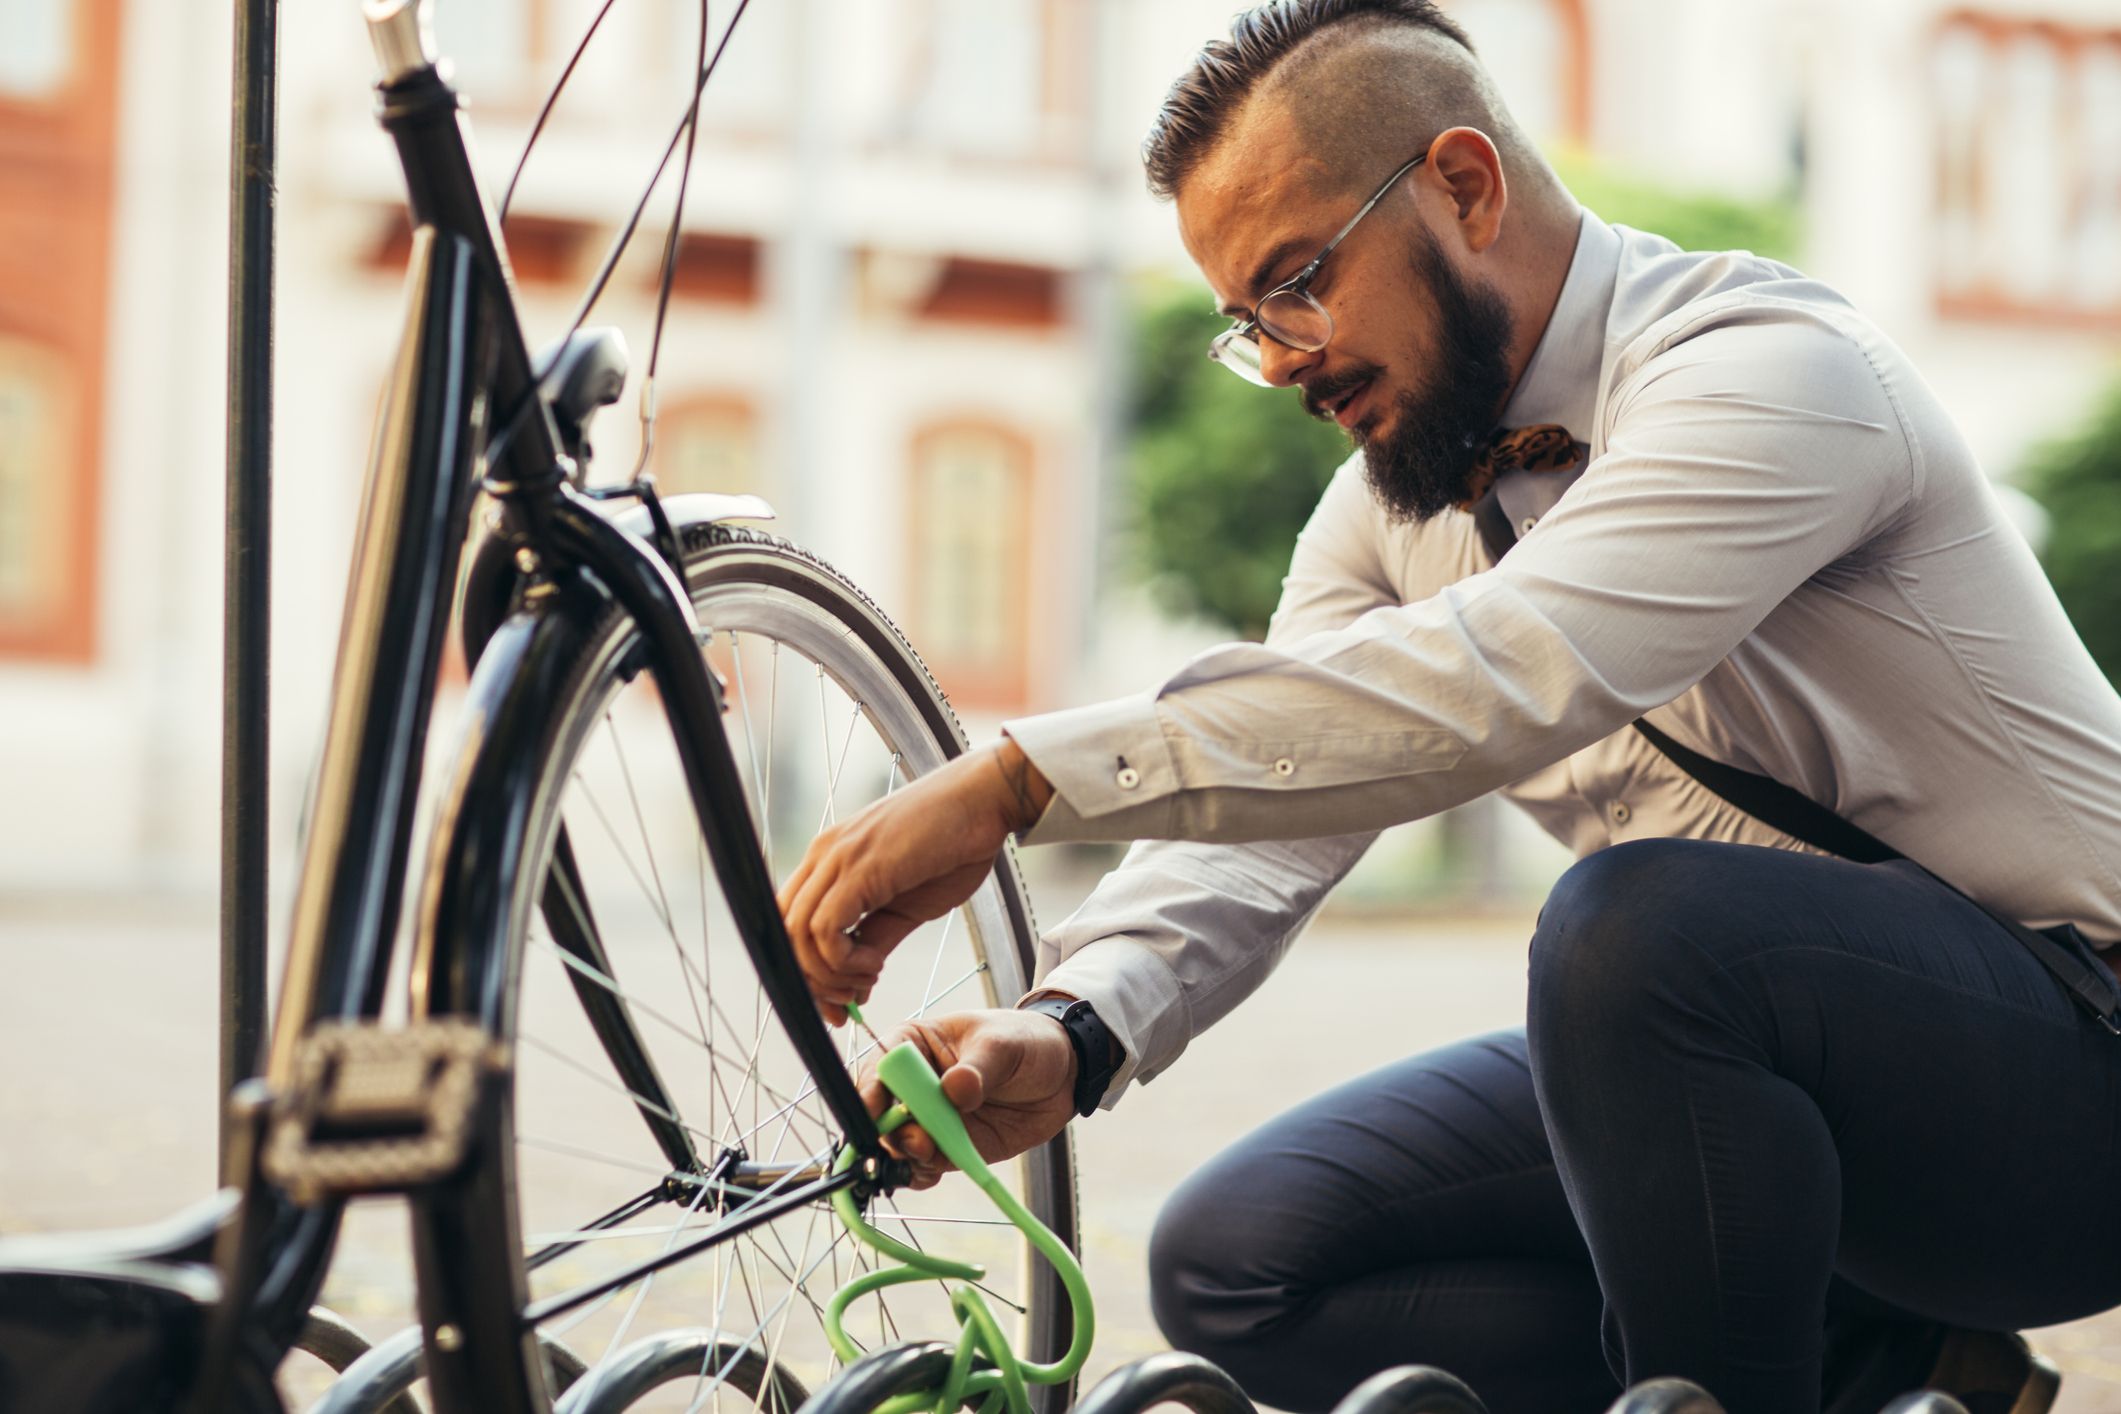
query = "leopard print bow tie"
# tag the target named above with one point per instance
(1544, 446)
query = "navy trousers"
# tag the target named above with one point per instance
(1775, 1121)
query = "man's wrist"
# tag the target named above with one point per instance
(1029, 792)
(1096, 1052)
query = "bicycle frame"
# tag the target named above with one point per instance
(464, 395)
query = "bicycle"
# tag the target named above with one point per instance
(603, 624)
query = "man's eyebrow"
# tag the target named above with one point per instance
(1266, 267)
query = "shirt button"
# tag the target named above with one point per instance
(1529, 522)
(1621, 813)
(1284, 767)
(1128, 778)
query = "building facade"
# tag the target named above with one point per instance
(898, 306)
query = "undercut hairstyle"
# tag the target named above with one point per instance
(1227, 72)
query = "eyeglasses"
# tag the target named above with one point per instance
(1287, 313)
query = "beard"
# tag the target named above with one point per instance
(1424, 464)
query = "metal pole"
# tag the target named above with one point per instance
(247, 580)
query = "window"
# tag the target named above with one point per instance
(970, 601)
(43, 580)
(980, 78)
(37, 56)
(707, 443)
(2028, 179)
(1537, 51)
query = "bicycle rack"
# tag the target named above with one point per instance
(327, 1336)
(674, 1356)
(1667, 1396)
(376, 1383)
(1924, 1401)
(1172, 1377)
(1412, 1389)
(894, 1370)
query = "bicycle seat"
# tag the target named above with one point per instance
(586, 373)
(94, 1323)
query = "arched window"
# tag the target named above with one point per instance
(43, 588)
(707, 443)
(970, 576)
(2028, 176)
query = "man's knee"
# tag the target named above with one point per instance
(1618, 925)
(1201, 1291)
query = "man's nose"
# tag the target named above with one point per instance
(1282, 365)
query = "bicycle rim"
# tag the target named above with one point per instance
(828, 708)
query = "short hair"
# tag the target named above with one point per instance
(1226, 71)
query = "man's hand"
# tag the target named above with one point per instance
(1011, 1074)
(914, 855)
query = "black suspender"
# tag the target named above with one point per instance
(1800, 817)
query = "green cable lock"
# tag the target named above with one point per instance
(1003, 1380)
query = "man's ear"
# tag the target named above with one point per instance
(1465, 160)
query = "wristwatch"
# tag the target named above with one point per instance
(1097, 1058)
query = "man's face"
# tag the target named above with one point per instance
(1418, 365)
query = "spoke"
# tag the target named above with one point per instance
(935, 965)
(648, 847)
(609, 1084)
(604, 1234)
(640, 821)
(742, 1345)
(560, 1146)
(915, 1238)
(810, 1082)
(636, 1004)
(832, 787)
(773, 702)
(751, 742)
(648, 1283)
(610, 832)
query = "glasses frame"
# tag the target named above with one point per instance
(1237, 347)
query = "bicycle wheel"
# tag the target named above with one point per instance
(655, 1095)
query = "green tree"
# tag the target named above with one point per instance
(2078, 480)
(1223, 474)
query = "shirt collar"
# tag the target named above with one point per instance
(1560, 384)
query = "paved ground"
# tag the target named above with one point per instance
(107, 1062)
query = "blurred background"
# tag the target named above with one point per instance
(923, 305)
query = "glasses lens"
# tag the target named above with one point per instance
(1296, 320)
(1238, 352)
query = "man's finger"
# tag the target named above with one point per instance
(793, 884)
(964, 1087)
(883, 930)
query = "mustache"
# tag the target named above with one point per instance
(1321, 393)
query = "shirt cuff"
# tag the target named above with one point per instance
(1110, 768)
(1136, 997)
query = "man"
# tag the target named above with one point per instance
(1795, 1127)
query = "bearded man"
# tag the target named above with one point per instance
(1680, 553)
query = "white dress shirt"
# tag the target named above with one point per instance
(1781, 550)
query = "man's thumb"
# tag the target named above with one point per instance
(964, 1087)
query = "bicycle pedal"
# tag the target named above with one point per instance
(376, 1110)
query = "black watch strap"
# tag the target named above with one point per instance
(1095, 1056)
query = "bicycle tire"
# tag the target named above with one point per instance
(756, 588)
